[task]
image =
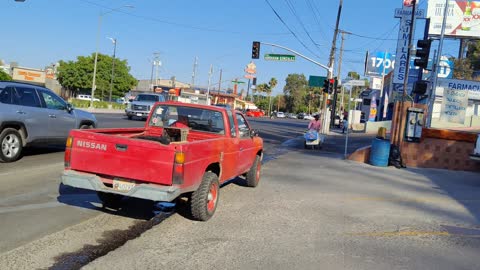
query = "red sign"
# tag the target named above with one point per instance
(407, 3)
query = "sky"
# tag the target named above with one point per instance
(36, 33)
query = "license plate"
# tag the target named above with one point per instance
(139, 114)
(122, 185)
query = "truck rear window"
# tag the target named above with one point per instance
(186, 117)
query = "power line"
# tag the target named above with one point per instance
(289, 29)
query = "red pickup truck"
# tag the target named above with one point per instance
(183, 150)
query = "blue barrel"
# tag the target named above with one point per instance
(380, 152)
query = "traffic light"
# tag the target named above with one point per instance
(331, 85)
(256, 50)
(423, 51)
(420, 87)
(326, 86)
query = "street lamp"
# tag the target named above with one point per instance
(114, 41)
(94, 86)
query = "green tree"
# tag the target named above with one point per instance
(353, 75)
(463, 69)
(295, 91)
(4, 76)
(77, 76)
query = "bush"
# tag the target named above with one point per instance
(77, 103)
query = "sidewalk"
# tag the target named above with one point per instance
(314, 210)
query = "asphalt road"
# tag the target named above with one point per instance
(33, 204)
(312, 210)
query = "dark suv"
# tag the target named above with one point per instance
(32, 114)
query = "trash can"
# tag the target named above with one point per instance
(380, 152)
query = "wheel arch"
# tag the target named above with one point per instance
(215, 168)
(87, 122)
(18, 126)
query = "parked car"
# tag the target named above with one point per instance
(86, 97)
(280, 115)
(300, 115)
(164, 161)
(141, 105)
(291, 116)
(30, 114)
(254, 113)
(308, 117)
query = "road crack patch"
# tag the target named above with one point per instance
(110, 241)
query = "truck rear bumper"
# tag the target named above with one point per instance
(143, 191)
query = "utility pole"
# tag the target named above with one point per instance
(331, 62)
(220, 82)
(194, 72)
(210, 72)
(431, 99)
(340, 67)
(154, 62)
(114, 40)
(157, 64)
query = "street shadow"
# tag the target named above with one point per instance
(41, 150)
(130, 207)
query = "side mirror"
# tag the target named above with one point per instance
(69, 108)
(253, 133)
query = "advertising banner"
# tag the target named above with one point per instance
(472, 87)
(454, 105)
(463, 18)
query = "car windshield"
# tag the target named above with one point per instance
(186, 117)
(146, 98)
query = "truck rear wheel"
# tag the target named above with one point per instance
(204, 200)
(253, 175)
(110, 200)
(11, 145)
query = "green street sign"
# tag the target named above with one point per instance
(316, 81)
(279, 57)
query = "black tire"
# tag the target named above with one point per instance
(85, 127)
(129, 117)
(305, 145)
(11, 145)
(204, 200)
(110, 200)
(253, 175)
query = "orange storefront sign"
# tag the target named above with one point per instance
(27, 75)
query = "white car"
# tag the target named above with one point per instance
(86, 97)
(280, 115)
(308, 117)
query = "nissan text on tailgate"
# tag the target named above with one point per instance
(184, 150)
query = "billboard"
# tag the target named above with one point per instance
(379, 64)
(463, 18)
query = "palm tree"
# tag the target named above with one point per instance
(271, 84)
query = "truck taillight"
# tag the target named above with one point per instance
(178, 168)
(68, 152)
